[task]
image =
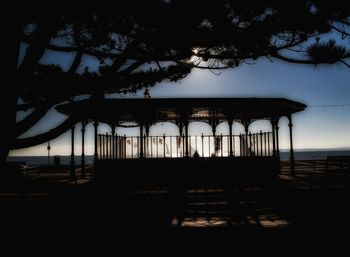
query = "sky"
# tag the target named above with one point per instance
(325, 90)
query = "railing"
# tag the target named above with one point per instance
(127, 147)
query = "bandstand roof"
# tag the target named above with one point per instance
(175, 109)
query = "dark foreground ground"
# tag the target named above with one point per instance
(312, 208)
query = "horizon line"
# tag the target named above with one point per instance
(281, 150)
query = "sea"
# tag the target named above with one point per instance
(313, 154)
(45, 160)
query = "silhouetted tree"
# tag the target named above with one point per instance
(141, 43)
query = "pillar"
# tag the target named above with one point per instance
(164, 145)
(292, 162)
(273, 137)
(180, 126)
(113, 144)
(83, 126)
(147, 127)
(261, 142)
(95, 150)
(72, 161)
(241, 148)
(277, 139)
(141, 140)
(246, 130)
(106, 146)
(186, 139)
(250, 150)
(213, 129)
(230, 123)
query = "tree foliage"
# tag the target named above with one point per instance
(141, 43)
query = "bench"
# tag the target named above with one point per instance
(341, 162)
(21, 168)
(15, 176)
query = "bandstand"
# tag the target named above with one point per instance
(112, 151)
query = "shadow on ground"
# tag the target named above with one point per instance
(53, 204)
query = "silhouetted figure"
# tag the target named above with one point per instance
(146, 94)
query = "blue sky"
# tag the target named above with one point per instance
(316, 127)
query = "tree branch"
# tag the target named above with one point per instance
(345, 63)
(340, 31)
(42, 138)
(79, 55)
(291, 60)
(132, 67)
(37, 48)
(31, 119)
(69, 49)
(345, 22)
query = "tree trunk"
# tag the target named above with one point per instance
(12, 77)
(9, 85)
(8, 115)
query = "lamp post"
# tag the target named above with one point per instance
(48, 153)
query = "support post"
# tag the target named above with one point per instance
(164, 145)
(83, 126)
(273, 137)
(292, 161)
(48, 152)
(246, 130)
(72, 160)
(113, 146)
(106, 146)
(147, 127)
(180, 126)
(186, 139)
(95, 150)
(277, 139)
(213, 129)
(261, 142)
(141, 140)
(240, 145)
(230, 123)
(249, 149)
